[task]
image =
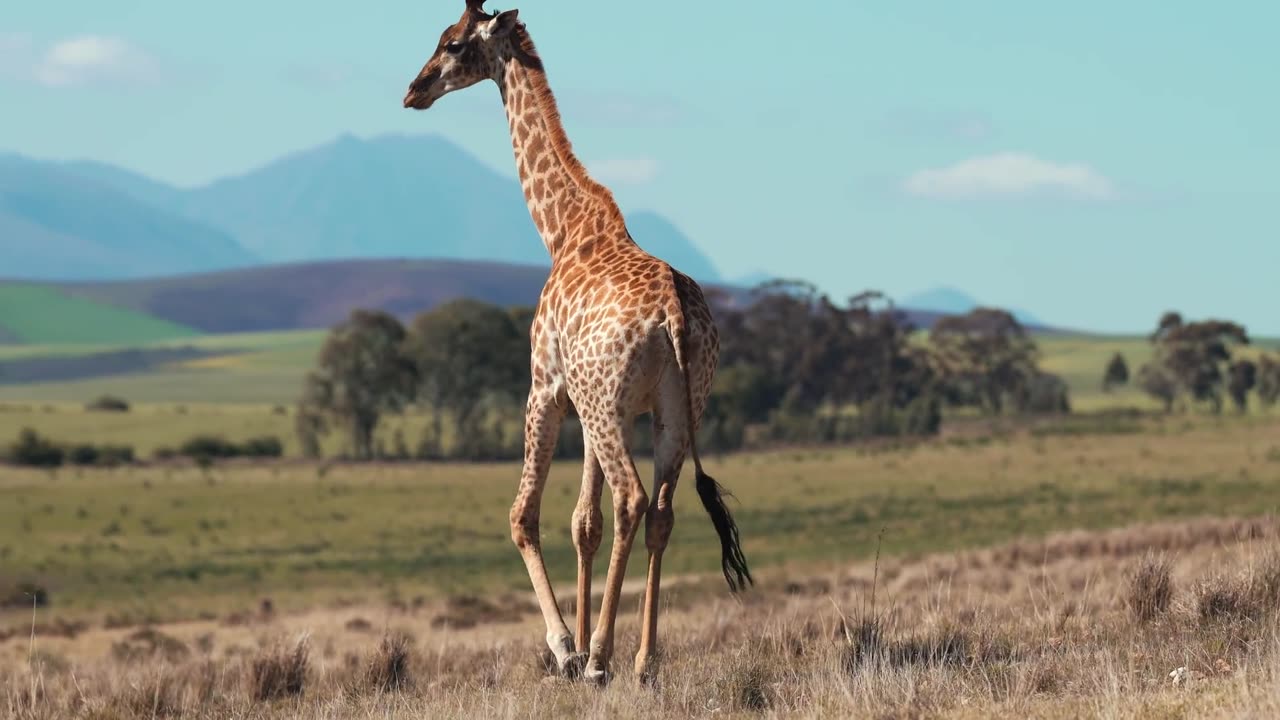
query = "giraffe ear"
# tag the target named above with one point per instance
(504, 23)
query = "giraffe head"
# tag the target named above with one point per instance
(469, 51)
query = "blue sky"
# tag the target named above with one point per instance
(1094, 162)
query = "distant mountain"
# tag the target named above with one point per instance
(391, 196)
(659, 237)
(58, 223)
(950, 301)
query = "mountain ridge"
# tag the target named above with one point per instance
(392, 195)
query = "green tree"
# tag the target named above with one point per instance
(1194, 355)
(1243, 376)
(465, 350)
(1269, 380)
(1159, 383)
(1117, 373)
(362, 372)
(986, 357)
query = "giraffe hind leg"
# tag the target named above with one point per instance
(670, 445)
(609, 440)
(588, 524)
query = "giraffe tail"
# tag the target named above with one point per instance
(732, 561)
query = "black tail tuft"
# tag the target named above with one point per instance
(732, 560)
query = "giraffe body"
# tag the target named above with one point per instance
(618, 333)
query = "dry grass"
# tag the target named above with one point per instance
(280, 671)
(1076, 625)
(1151, 588)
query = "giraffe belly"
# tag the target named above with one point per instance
(612, 376)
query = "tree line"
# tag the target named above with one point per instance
(1199, 363)
(795, 367)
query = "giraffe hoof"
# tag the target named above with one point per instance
(573, 665)
(647, 674)
(599, 678)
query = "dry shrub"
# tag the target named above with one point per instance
(279, 671)
(388, 668)
(156, 694)
(467, 611)
(149, 643)
(1150, 590)
(747, 679)
(1253, 595)
(946, 644)
(358, 624)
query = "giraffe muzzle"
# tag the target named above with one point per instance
(420, 95)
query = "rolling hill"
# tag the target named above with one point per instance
(391, 196)
(312, 295)
(34, 314)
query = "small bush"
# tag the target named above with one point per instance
(262, 447)
(208, 446)
(99, 455)
(205, 449)
(1224, 599)
(1251, 596)
(33, 450)
(107, 403)
(1150, 588)
(113, 455)
(23, 596)
(279, 672)
(82, 455)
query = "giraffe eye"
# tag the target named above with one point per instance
(454, 48)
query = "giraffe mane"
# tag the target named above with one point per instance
(527, 55)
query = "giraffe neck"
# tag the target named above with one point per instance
(557, 188)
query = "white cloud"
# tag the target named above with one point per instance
(629, 171)
(92, 59)
(1008, 173)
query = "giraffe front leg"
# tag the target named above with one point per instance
(588, 526)
(543, 416)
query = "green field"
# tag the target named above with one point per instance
(267, 368)
(41, 315)
(241, 389)
(174, 542)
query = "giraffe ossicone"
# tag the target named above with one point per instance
(617, 332)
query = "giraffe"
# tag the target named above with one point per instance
(617, 333)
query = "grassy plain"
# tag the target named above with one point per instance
(174, 542)
(235, 391)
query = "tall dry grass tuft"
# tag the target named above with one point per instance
(1150, 588)
(747, 678)
(388, 667)
(160, 693)
(280, 671)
